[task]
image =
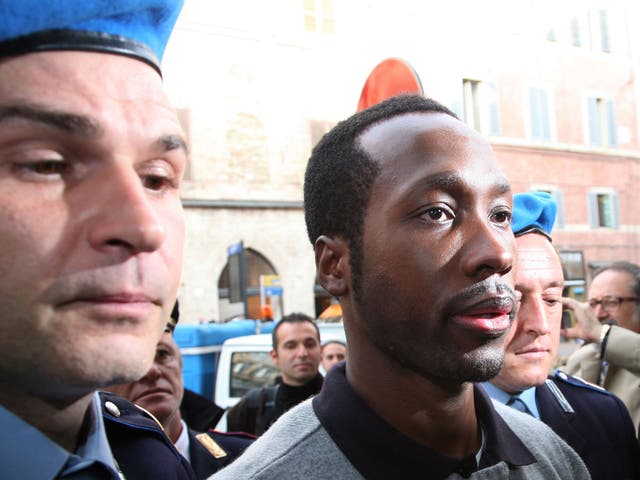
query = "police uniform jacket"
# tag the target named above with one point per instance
(139, 444)
(595, 423)
(211, 451)
(622, 355)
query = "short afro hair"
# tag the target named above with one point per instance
(340, 174)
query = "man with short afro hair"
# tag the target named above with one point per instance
(409, 216)
(340, 174)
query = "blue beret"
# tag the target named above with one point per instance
(533, 212)
(134, 28)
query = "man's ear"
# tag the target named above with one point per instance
(332, 262)
(274, 356)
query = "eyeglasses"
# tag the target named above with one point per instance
(611, 303)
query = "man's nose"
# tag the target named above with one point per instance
(534, 317)
(489, 250)
(124, 214)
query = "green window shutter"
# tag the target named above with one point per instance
(592, 210)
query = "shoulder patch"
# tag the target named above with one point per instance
(578, 382)
(211, 445)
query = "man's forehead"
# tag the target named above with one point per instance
(167, 340)
(82, 107)
(535, 259)
(536, 255)
(612, 282)
(386, 136)
(296, 330)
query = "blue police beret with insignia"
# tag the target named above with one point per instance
(533, 212)
(134, 28)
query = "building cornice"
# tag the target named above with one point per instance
(242, 204)
(563, 148)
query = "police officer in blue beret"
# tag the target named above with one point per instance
(595, 423)
(161, 391)
(91, 227)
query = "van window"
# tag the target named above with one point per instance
(250, 370)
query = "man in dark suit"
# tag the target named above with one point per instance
(161, 392)
(595, 423)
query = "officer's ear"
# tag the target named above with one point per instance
(274, 357)
(332, 263)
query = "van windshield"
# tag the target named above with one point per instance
(251, 370)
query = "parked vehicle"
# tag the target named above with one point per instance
(200, 345)
(245, 363)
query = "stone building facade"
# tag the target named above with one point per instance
(554, 88)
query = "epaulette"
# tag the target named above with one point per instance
(211, 445)
(578, 382)
(559, 396)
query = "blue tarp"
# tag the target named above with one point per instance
(200, 345)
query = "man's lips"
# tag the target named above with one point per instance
(116, 297)
(302, 365)
(533, 352)
(489, 316)
(112, 304)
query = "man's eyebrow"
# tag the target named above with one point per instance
(167, 143)
(71, 123)
(75, 124)
(452, 181)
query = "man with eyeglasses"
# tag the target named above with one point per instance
(610, 324)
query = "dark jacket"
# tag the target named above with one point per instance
(213, 450)
(595, 423)
(198, 412)
(139, 444)
(261, 407)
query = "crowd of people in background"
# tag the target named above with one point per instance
(450, 288)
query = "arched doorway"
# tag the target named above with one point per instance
(256, 265)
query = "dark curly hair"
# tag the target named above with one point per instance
(295, 317)
(340, 174)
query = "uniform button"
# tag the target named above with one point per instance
(112, 408)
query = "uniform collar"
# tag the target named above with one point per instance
(20, 440)
(182, 443)
(528, 397)
(369, 441)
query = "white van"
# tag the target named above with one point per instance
(245, 363)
